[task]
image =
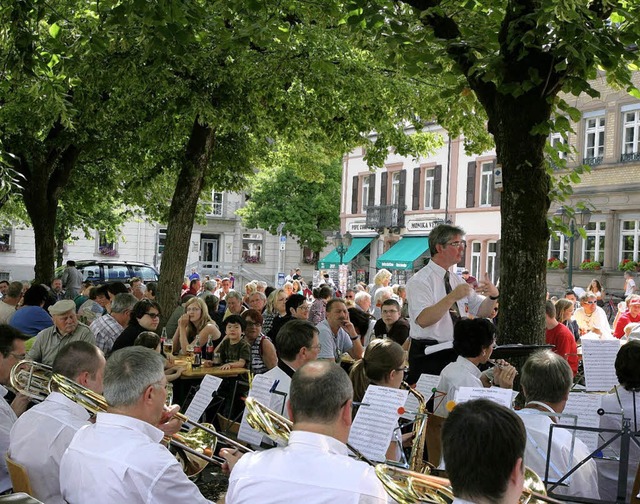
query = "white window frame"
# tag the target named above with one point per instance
(598, 234)
(429, 187)
(556, 139)
(365, 192)
(492, 256)
(486, 184)
(252, 247)
(594, 134)
(562, 253)
(632, 146)
(108, 245)
(395, 187)
(6, 245)
(162, 241)
(635, 234)
(215, 207)
(476, 257)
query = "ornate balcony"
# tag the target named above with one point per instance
(592, 161)
(629, 158)
(385, 216)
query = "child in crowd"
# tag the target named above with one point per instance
(234, 351)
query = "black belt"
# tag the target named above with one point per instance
(421, 343)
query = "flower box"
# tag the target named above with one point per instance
(555, 263)
(627, 265)
(589, 265)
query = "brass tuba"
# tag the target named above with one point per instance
(35, 380)
(416, 462)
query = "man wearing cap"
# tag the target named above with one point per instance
(65, 329)
(631, 316)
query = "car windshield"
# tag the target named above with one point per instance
(146, 273)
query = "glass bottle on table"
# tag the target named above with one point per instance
(209, 349)
(197, 354)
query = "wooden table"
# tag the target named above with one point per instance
(201, 372)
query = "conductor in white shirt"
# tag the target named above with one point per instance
(119, 458)
(437, 299)
(483, 447)
(42, 434)
(314, 467)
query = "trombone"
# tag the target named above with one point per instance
(403, 485)
(35, 380)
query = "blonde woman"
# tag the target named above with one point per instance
(382, 279)
(275, 308)
(195, 322)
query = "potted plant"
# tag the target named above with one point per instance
(589, 265)
(555, 263)
(627, 265)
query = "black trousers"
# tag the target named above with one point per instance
(434, 363)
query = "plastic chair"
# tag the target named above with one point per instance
(19, 476)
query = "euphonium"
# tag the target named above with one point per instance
(416, 461)
(35, 380)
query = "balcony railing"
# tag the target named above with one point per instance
(592, 161)
(628, 158)
(385, 216)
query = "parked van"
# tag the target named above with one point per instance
(100, 272)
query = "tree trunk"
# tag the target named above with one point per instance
(44, 183)
(524, 206)
(182, 215)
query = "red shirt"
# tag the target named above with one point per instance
(624, 319)
(565, 344)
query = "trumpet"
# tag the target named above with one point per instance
(35, 380)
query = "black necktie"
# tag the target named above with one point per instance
(454, 311)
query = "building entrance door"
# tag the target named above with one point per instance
(209, 252)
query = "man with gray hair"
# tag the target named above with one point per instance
(119, 458)
(41, 435)
(9, 301)
(208, 289)
(362, 300)
(107, 328)
(437, 300)
(315, 461)
(590, 317)
(257, 301)
(64, 330)
(546, 379)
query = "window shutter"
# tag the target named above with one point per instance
(437, 186)
(403, 190)
(372, 190)
(415, 196)
(383, 188)
(354, 196)
(496, 195)
(471, 184)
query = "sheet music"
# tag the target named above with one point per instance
(585, 407)
(496, 394)
(203, 397)
(599, 357)
(261, 392)
(425, 385)
(374, 424)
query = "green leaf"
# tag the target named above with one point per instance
(54, 30)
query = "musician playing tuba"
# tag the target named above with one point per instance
(483, 445)
(315, 463)
(119, 458)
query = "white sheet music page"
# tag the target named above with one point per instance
(425, 385)
(261, 392)
(203, 397)
(497, 394)
(374, 424)
(585, 407)
(599, 357)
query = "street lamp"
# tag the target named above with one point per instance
(342, 243)
(578, 218)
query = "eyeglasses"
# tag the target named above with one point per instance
(253, 324)
(153, 315)
(193, 309)
(18, 356)
(404, 369)
(457, 244)
(589, 302)
(317, 347)
(303, 307)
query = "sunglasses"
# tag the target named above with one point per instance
(153, 315)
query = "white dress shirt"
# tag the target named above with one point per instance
(120, 459)
(7, 419)
(608, 469)
(312, 468)
(583, 482)
(461, 373)
(598, 320)
(425, 289)
(40, 437)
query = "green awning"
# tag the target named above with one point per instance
(402, 255)
(332, 259)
